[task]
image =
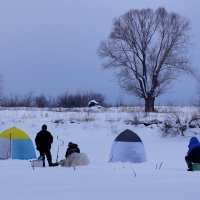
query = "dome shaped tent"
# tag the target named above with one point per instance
(127, 147)
(16, 144)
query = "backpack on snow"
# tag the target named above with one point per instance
(195, 166)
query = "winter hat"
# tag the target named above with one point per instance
(70, 144)
(44, 127)
(194, 142)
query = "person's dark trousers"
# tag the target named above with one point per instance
(189, 164)
(46, 153)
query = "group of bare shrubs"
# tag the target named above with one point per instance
(170, 120)
(179, 123)
(64, 100)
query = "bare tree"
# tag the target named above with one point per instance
(148, 49)
(41, 101)
(26, 100)
(1, 88)
(95, 96)
(196, 98)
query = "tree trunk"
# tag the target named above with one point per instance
(149, 103)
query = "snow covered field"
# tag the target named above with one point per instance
(164, 175)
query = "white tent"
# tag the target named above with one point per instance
(127, 147)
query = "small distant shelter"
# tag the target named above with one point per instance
(93, 103)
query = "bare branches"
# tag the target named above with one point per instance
(1, 86)
(151, 46)
(178, 123)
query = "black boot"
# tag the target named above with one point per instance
(53, 164)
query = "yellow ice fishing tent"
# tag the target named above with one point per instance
(16, 144)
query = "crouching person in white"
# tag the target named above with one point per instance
(74, 157)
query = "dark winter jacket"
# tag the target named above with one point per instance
(43, 140)
(72, 148)
(194, 155)
(194, 142)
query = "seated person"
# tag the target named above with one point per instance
(193, 154)
(72, 148)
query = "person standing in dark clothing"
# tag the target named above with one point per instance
(43, 141)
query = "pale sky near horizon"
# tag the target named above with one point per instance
(50, 46)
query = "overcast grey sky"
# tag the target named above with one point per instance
(50, 46)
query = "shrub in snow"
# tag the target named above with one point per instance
(178, 123)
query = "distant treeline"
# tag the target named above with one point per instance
(64, 100)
